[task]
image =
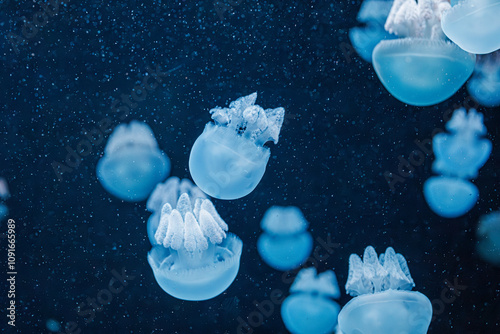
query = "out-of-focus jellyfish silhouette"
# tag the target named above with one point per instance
(193, 258)
(372, 14)
(4, 195)
(421, 68)
(488, 238)
(53, 325)
(310, 308)
(168, 192)
(473, 25)
(229, 158)
(384, 302)
(484, 86)
(132, 164)
(285, 243)
(459, 155)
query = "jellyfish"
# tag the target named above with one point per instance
(459, 155)
(168, 192)
(473, 25)
(310, 308)
(421, 68)
(285, 243)
(488, 235)
(383, 301)
(484, 86)
(229, 158)
(373, 14)
(132, 164)
(193, 257)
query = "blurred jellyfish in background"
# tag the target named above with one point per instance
(488, 238)
(53, 325)
(229, 158)
(384, 302)
(484, 86)
(4, 195)
(474, 25)
(310, 308)
(421, 68)
(193, 258)
(459, 155)
(372, 14)
(168, 192)
(132, 164)
(285, 243)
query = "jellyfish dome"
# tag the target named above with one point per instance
(384, 302)
(168, 192)
(285, 243)
(229, 158)
(132, 164)
(488, 238)
(193, 258)
(484, 86)
(421, 68)
(474, 25)
(310, 308)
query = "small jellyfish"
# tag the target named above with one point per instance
(285, 243)
(310, 308)
(168, 192)
(421, 68)
(384, 302)
(373, 14)
(459, 155)
(488, 238)
(484, 86)
(193, 258)
(132, 164)
(473, 25)
(229, 158)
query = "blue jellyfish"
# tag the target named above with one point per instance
(421, 68)
(285, 243)
(384, 302)
(229, 158)
(484, 86)
(373, 14)
(168, 192)
(459, 155)
(488, 238)
(473, 25)
(310, 308)
(132, 164)
(193, 258)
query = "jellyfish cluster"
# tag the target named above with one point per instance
(484, 85)
(488, 238)
(459, 155)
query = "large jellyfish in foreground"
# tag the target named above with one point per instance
(422, 68)
(488, 238)
(168, 192)
(484, 86)
(384, 302)
(194, 259)
(459, 155)
(310, 308)
(474, 25)
(285, 243)
(229, 158)
(373, 14)
(132, 164)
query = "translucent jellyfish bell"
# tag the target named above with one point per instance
(384, 302)
(229, 158)
(474, 25)
(484, 86)
(310, 308)
(194, 259)
(168, 192)
(488, 238)
(132, 163)
(422, 68)
(285, 243)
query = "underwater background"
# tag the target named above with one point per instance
(342, 131)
